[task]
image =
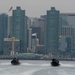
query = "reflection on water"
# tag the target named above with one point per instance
(37, 67)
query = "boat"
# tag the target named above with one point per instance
(55, 62)
(15, 61)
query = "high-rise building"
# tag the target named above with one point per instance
(67, 32)
(37, 30)
(52, 31)
(3, 30)
(34, 42)
(29, 39)
(37, 23)
(19, 27)
(67, 21)
(32, 22)
(41, 22)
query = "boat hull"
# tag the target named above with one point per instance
(54, 64)
(13, 62)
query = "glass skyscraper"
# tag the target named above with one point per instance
(19, 27)
(52, 31)
(3, 30)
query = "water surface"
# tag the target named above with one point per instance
(36, 67)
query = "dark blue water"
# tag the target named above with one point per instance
(32, 67)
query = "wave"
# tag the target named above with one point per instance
(44, 64)
(26, 64)
(5, 63)
(67, 65)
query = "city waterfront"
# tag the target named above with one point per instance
(36, 67)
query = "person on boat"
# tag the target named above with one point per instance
(15, 61)
(55, 62)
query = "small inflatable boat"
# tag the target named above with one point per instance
(55, 62)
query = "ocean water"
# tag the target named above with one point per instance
(36, 67)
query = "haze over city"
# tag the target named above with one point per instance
(35, 8)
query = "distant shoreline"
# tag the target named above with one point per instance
(37, 59)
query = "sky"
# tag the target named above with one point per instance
(35, 8)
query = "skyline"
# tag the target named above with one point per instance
(35, 8)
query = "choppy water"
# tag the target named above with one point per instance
(32, 67)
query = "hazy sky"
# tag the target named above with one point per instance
(35, 8)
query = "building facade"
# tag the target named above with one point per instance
(65, 46)
(52, 31)
(68, 25)
(41, 23)
(19, 27)
(67, 30)
(3, 30)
